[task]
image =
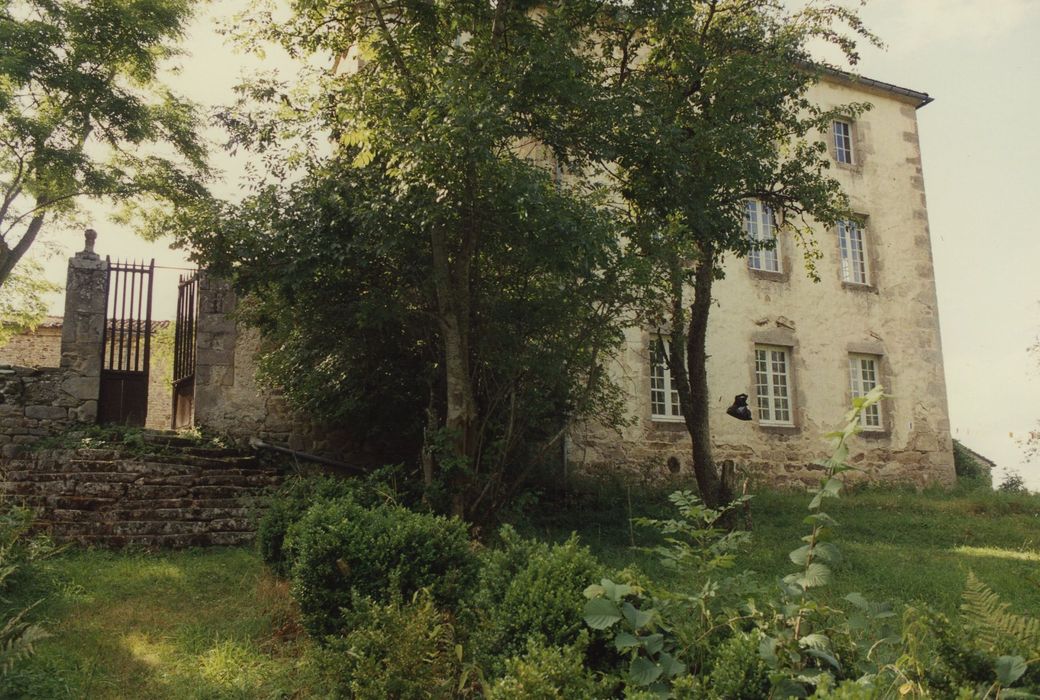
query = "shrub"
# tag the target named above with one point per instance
(287, 505)
(969, 469)
(342, 550)
(529, 589)
(393, 650)
(1013, 483)
(551, 672)
(738, 671)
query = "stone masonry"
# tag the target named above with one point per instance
(177, 496)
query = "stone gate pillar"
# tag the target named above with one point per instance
(215, 338)
(82, 332)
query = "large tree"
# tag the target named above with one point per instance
(81, 109)
(431, 276)
(721, 114)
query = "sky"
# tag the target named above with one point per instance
(979, 60)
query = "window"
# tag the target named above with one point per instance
(772, 385)
(843, 142)
(664, 398)
(863, 376)
(851, 242)
(758, 222)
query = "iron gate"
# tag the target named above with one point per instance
(184, 351)
(126, 350)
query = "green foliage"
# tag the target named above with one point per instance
(1013, 483)
(23, 303)
(341, 550)
(529, 590)
(286, 505)
(992, 623)
(19, 634)
(82, 113)
(393, 650)
(696, 541)
(551, 672)
(970, 469)
(738, 671)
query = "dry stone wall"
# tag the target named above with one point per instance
(188, 497)
(38, 402)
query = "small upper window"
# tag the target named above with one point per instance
(852, 245)
(843, 142)
(863, 376)
(758, 223)
(773, 385)
(664, 397)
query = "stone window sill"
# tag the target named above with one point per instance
(885, 434)
(862, 288)
(770, 276)
(779, 429)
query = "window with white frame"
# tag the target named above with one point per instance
(863, 376)
(758, 223)
(842, 141)
(773, 384)
(853, 248)
(664, 397)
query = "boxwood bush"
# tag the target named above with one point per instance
(341, 550)
(530, 590)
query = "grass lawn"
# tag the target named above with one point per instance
(898, 545)
(192, 624)
(213, 624)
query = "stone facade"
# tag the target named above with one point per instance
(891, 318)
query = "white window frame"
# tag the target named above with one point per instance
(758, 224)
(841, 136)
(852, 247)
(773, 385)
(864, 375)
(664, 397)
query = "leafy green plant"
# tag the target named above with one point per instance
(286, 505)
(394, 650)
(18, 633)
(342, 550)
(638, 634)
(800, 649)
(545, 671)
(529, 590)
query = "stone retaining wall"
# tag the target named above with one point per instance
(37, 402)
(104, 497)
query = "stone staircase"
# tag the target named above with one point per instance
(168, 492)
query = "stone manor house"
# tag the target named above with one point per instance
(800, 350)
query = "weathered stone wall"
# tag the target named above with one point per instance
(42, 348)
(189, 497)
(38, 402)
(894, 318)
(228, 398)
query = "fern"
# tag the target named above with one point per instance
(998, 629)
(18, 640)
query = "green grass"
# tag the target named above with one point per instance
(898, 545)
(193, 624)
(213, 624)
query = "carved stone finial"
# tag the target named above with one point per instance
(90, 235)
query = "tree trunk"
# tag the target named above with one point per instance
(451, 280)
(715, 491)
(9, 256)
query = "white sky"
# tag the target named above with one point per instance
(979, 59)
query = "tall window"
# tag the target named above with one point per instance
(664, 398)
(843, 142)
(758, 222)
(773, 385)
(851, 241)
(863, 376)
